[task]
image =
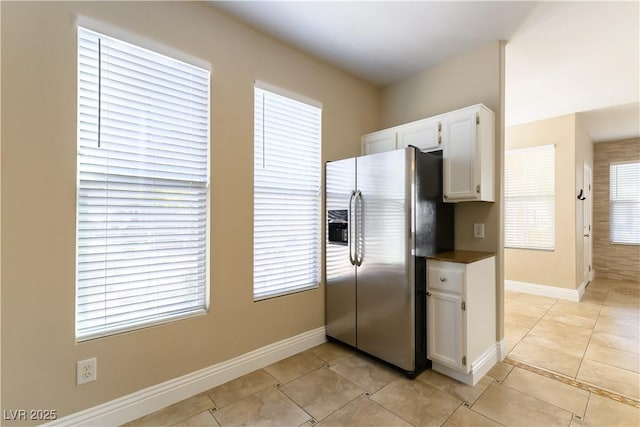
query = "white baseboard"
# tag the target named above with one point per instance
(581, 289)
(479, 367)
(501, 349)
(545, 291)
(143, 402)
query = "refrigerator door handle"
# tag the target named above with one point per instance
(351, 225)
(360, 228)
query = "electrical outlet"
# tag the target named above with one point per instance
(478, 231)
(86, 371)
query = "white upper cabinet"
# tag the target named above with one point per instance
(377, 142)
(468, 140)
(423, 134)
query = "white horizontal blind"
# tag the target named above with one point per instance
(625, 202)
(143, 182)
(530, 198)
(286, 213)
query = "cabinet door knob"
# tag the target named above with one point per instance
(443, 279)
(428, 293)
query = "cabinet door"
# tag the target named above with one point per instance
(378, 142)
(459, 138)
(424, 134)
(445, 333)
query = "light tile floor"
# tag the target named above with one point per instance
(595, 341)
(559, 352)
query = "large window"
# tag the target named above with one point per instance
(529, 198)
(625, 202)
(286, 213)
(143, 185)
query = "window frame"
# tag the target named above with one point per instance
(549, 198)
(154, 52)
(315, 234)
(613, 166)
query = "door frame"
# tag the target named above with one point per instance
(587, 222)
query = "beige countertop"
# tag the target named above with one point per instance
(462, 257)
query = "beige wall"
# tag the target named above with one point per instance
(38, 176)
(563, 266)
(465, 80)
(611, 261)
(475, 77)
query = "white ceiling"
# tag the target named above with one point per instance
(561, 57)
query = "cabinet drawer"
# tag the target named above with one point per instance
(445, 280)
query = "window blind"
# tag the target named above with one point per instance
(143, 182)
(286, 222)
(625, 202)
(530, 198)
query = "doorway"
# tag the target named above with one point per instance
(587, 228)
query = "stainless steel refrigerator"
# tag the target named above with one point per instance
(384, 216)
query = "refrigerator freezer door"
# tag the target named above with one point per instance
(385, 324)
(340, 271)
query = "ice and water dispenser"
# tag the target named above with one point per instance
(338, 227)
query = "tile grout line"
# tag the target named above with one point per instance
(599, 315)
(456, 410)
(552, 403)
(212, 410)
(279, 389)
(387, 409)
(614, 395)
(533, 326)
(574, 383)
(593, 329)
(528, 329)
(498, 384)
(326, 366)
(586, 406)
(366, 394)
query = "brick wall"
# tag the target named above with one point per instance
(611, 261)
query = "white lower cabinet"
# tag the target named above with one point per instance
(461, 314)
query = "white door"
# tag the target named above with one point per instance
(587, 226)
(445, 343)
